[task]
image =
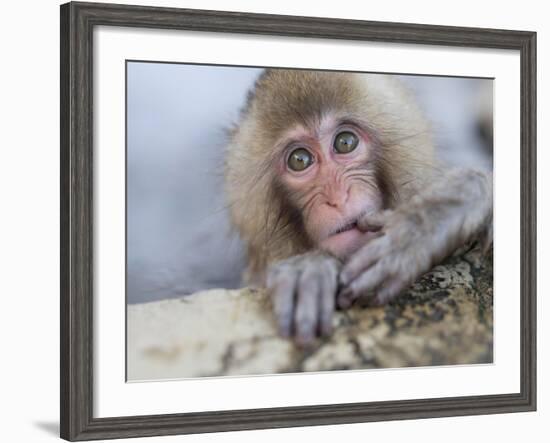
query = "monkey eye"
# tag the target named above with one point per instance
(345, 142)
(300, 159)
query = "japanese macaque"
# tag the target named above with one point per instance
(333, 186)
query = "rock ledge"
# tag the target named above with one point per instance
(445, 318)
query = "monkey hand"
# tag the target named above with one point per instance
(417, 235)
(386, 265)
(303, 291)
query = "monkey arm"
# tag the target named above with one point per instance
(303, 291)
(455, 208)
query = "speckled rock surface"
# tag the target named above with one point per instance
(445, 318)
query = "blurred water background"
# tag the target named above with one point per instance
(178, 236)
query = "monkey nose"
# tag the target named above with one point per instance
(338, 199)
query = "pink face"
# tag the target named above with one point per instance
(329, 173)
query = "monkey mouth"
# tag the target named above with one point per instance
(344, 239)
(347, 227)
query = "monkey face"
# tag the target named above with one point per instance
(330, 174)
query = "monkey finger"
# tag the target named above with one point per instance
(372, 221)
(362, 260)
(307, 308)
(282, 295)
(362, 285)
(389, 291)
(327, 302)
(345, 298)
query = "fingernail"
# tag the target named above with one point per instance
(344, 278)
(305, 342)
(344, 302)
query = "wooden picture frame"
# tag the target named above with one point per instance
(77, 23)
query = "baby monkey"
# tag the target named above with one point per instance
(333, 186)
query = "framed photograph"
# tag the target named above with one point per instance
(272, 221)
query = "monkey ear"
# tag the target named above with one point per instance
(373, 222)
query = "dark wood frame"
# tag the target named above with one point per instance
(77, 24)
